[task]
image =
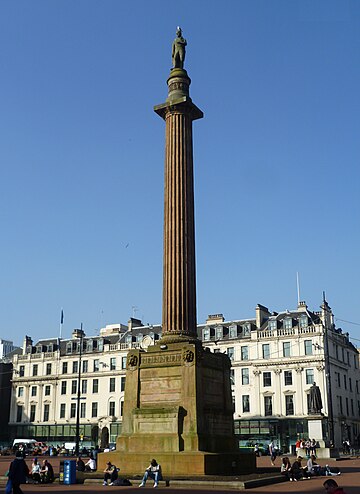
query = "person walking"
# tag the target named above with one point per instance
(272, 452)
(154, 472)
(18, 472)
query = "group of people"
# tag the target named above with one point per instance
(305, 446)
(89, 466)
(296, 471)
(19, 473)
(153, 471)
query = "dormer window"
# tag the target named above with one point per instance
(89, 345)
(100, 345)
(218, 332)
(206, 334)
(303, 321)
(288, 323)
(39, 349)
(128, 339)
(139, 337)
(233, 331)
(273, 324)
(69, 347)
(246, 329)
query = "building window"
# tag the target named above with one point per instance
(232, 376)
(47, 390)
(113, 363)
(308, 347)
(230, 352)
(288, 378)
(303, 321)
(19, 411)
(244, 353)
(337, 352)
(64, 367)
(350, 384)
(286, 349)
(348, 358)
(63, 387)
(62, 410)
(206, 334)
(85, 366)
(245, 376)
(266, 351)
(345, 381)
(246, 329)
(233, 331)
(272, 324)
(46, 412)
(32, 413)
(73, 387)
(112, 385)
(218, 332)
(123, 362)
(309, 375)
(82, 410)
(95, 386)
(267, 379)
(96, 365)
(337, 379)
(20, 391)
(75, 367)
(246, 403)
(122, 382)
(84, 386)
(340, 406)
(289, 405)
(72, 410)
(347, 405)
(35, 370)
(112, 408)
(94, 409)
(288, 323)
(121, 408)
(268, 405)
(33, 390)
(48, 369)
(352, 406)
(22, 370)
(356, 363)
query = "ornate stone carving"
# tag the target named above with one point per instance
(256, 372)
(299, 369)
(132, 361)
(188, 357)
(277, 371)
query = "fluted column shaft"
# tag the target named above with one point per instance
(179, 280)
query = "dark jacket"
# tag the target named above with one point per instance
(18, 471)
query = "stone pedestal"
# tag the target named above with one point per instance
(178, 409)
(315, 431)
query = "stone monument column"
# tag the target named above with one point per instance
(179, 278)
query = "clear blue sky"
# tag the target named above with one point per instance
(277, 158)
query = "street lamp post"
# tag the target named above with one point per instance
(78, 398)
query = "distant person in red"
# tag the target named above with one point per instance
(331, 487)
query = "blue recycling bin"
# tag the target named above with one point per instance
(69, 472)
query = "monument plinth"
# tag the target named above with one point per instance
(178, 404)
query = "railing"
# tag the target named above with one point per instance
(295, 331)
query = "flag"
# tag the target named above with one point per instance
(62, 317)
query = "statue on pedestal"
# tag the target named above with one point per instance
(315, 403)
(178, 50)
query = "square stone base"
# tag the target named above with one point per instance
(185, 464)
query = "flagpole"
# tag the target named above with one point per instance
(61, 322)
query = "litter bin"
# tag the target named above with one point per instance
(67, 473)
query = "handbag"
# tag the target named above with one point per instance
(9, 487)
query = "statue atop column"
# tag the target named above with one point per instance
(178, 50)
(315, 403)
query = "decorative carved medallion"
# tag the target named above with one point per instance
(132, 361)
